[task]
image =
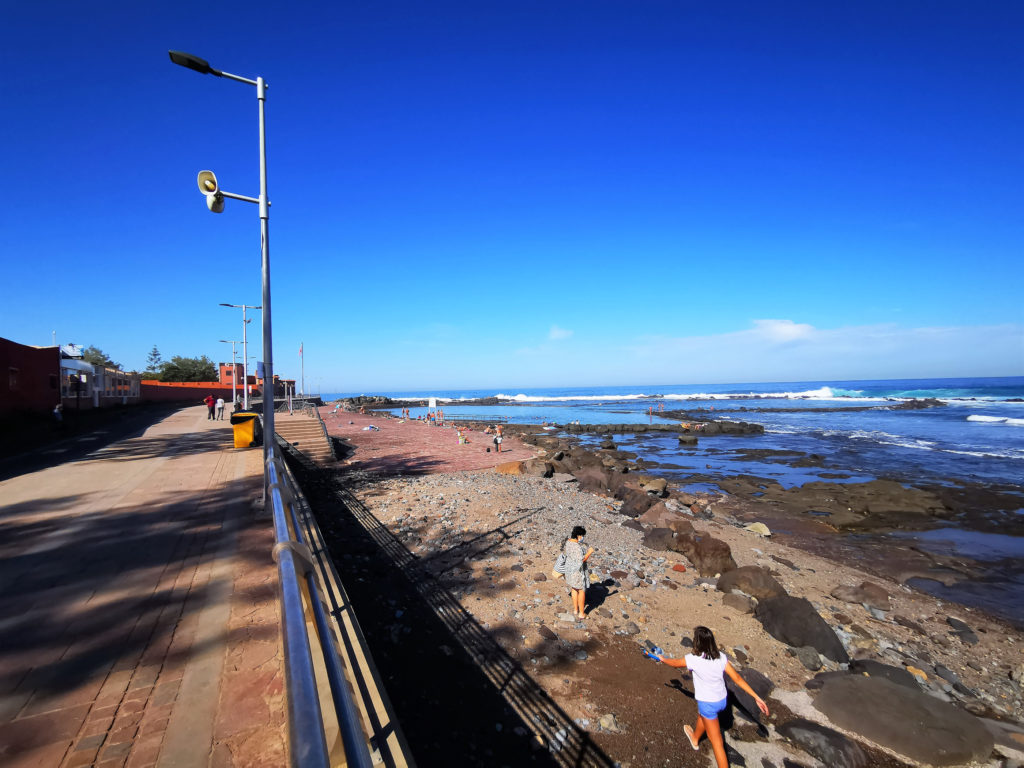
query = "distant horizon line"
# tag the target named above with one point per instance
(500, 389)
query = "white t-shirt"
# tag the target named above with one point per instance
(708, 677)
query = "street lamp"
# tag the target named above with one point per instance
(245, 350)
(234, 369)
(215, 202)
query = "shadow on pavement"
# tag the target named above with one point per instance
(114, 589)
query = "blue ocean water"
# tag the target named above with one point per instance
(977, 436)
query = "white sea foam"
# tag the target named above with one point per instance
(901, 441)
(521, 398)
(996, 420)
(822, 393)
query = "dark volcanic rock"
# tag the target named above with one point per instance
(738, 603)
(592, 478)
(659, 539)
(830, 747)
(634, 503)
(538, 468)
(868, 593)
(903, 621)
(906, 721)
(762, 687)
(709, 556)
(751, 580)
(962, 630)
(877, 669)
(794, 621)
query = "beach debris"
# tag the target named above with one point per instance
(759, 528)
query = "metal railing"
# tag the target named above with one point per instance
(300, 591)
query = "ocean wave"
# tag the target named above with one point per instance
(996, 420)
(521, 398)
(901, 441)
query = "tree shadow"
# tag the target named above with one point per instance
(456, 691)
(45, 446)
(88, 593)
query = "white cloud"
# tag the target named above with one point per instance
(783, 350)
(780, 331)
(557, 333)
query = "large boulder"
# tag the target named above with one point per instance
(538, 468)
(907, 721)
(829, 746)
(655, 486)
(510, 468)
(659, 539)
(658, 515)
(710, 556)
(682, 526)
(872, 668)
(634, 502)
(867, 593)
(794, 621)
(592, 479)
(751, 580)
(760, 684)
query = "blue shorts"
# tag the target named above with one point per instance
(710, 709)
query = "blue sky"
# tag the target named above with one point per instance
(524, 194)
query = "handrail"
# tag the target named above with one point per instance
(306, 734)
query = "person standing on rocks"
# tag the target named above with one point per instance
(709, 667)
(576, 569)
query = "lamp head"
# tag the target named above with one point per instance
(189, 61)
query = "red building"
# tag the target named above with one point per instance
(29, 378)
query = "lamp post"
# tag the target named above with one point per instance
(245, 350)
(215, 202)
(234, 370)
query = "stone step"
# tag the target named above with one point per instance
(306, 435)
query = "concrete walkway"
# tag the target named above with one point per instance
(139, 621)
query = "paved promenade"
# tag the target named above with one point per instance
(138, 618)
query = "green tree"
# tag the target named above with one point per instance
(96, 356)
(154, 363)
(188, 369)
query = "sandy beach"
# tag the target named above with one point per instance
(489, 531)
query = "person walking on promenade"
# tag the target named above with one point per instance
(220, 409)
(210, 405)
(709, 667)
(576, 569)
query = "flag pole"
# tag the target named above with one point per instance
(303, 369)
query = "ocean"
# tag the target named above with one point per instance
(974, 439)
(976, 436)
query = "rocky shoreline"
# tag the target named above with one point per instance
(823, 636)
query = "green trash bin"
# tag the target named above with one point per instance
(248, 429)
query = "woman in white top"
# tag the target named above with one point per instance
(709, 667)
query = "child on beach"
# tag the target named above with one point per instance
(709, 667)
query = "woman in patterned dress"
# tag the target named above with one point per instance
(576, 570)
